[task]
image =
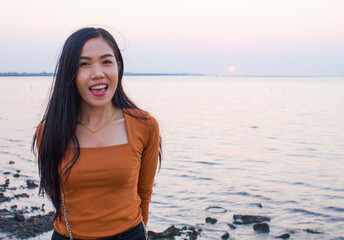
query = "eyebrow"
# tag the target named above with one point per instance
(103, 56)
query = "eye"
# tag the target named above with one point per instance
(83, 64)
(107, 62)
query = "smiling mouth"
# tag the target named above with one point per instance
(99, 90)
(99, 87)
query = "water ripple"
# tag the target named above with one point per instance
(336, 209)
(300, 210)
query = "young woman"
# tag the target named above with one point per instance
(97, 151)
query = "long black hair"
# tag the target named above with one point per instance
(57, 128)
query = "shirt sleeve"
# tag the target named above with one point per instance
(149, 162)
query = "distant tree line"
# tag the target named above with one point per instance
(9, 74)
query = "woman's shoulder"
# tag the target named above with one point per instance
(140, 117)
(139, 114)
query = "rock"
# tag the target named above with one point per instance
(258, 205)
(284, 236)
(225, 236)
(261, 227)
(19, 217)
(31, 184)
(6, 173)
(210, 220)
(14, 206)
(11, 162)
(173, 231)
(313, 231)
(32, 227)
(170, 232)
(247, 219)
(4, 212)
(16, 175)
(3, 198)
(22, 195)
(232, 226)
(34, 208)
(6, 184)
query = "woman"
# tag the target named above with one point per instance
(97, 151)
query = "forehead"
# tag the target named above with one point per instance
(96, 47)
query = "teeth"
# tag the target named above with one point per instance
(98, 87)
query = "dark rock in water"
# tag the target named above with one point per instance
(3, 198)
(31, 184)
(35, 208)
(32, 227)
(258, 205)
(11, 162)
(313, 231)
(225, 236)
(22, 195)
(19, 217)
(16, 175)
(169, 233)
(232, 226)
(284, 236)
(173, 231)
(4, 212)
(210, 220)
(14, 206)
(6, 184)
(261, 227)
(247, 219)
(6, 173)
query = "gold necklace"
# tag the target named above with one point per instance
(94, 131)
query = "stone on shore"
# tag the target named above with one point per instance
(261, 227)
(232, 226)
(247, 219)
(172, 232)
(31, 227)
(3, 198)
(313, 231)
(284, 236)
(210, 220)
(19, 217)
(31, 184)
(225, 236)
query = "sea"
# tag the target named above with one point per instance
(268, 146)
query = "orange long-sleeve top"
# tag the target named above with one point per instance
(109, 188)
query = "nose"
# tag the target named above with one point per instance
(97, 72)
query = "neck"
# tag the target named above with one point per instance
(95, 116)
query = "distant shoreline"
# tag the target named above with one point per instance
(25, 74)
(49, 74)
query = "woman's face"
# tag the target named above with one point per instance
(97, 76)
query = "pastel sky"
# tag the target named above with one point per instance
(220, 37)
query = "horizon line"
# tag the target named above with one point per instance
(34, 74)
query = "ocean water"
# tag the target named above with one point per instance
(229, 143)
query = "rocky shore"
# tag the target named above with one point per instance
(14, 222)
(32, 221)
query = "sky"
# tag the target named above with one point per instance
(214, 37)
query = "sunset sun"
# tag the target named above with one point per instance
(231, 69)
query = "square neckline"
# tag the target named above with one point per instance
(117, 145)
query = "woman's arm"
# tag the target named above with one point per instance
(149, 162)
